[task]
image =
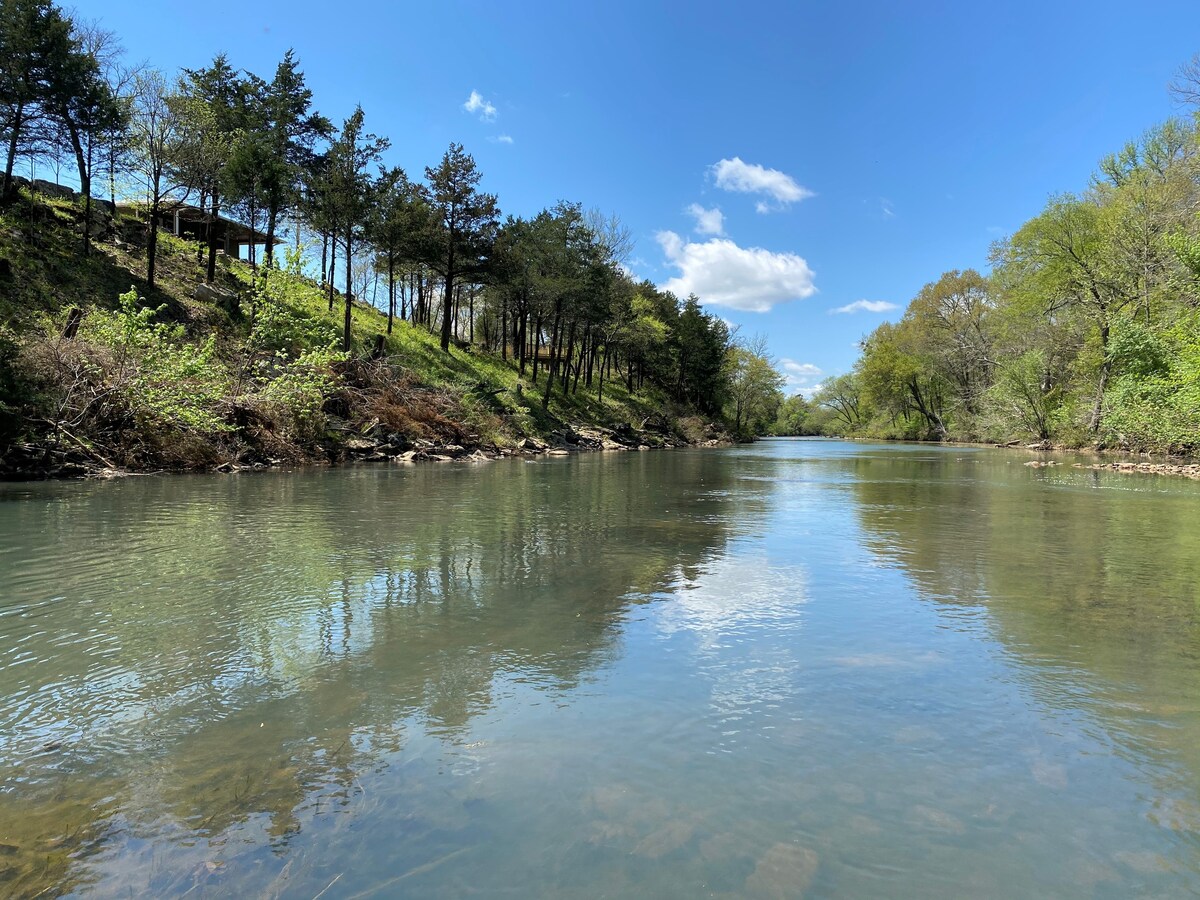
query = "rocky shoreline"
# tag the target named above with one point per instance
(377, 445)
(1185, 470)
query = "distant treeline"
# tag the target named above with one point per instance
(550, 292)
(1086, 332)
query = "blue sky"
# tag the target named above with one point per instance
(855, 151)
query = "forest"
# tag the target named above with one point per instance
(120, 339)
(1085, 333)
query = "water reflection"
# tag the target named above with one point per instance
(226, 655)
(798, 666)
(1090, 585)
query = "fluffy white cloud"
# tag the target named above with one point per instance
(501, 139)
(800, 370)
(873, 306)
(477, 106)
(801, 378)
(718, 271)
(750, 178)
(708, 221)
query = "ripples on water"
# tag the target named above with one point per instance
(799, 666)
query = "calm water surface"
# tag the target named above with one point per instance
(802, 667)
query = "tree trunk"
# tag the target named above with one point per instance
(552, 366)
(448, 301)
(211, 274)
(332, 267)
(349, 275)
(272, 213)
(13, 140)
(152, 237)
(391, 290)
(1105, 368)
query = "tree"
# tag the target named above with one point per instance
(701, 341)
(290, 130)
(399, 216)
(215, 113)
(841, 395)
(351, 191)
(158, 139)
(36, 49)
(795, 416)
(754, 386)
(1063, 258)
(89, 111)
(467, 224)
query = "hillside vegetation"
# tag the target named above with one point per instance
(98, 370)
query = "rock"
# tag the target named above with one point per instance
(222, 297)
(557, 452)
(531, 444)
(612, 445)
(360, 445)
(452, 450)
(50, 189)
(786, 870)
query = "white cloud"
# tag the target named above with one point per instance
(720, 272)
(873, 306)
(476, 105)
(501, 139)
(750, 178)
(800, 370)
(708, 221)
(885, 206)
(801, 378)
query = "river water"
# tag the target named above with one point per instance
(801, 667)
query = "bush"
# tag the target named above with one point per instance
(164, 381)
(296, 390)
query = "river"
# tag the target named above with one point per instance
(797, 667)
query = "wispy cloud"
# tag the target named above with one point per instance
(708, 221)
(885, 207)
(751, 178)
(720, 272)
(477, 106)
(501, 139)
(871, 306)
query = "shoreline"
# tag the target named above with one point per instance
(1106, 459)
(382, 447)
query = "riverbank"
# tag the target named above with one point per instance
(102, 373)
(1108, 458)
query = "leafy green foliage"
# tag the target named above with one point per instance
(164, 381)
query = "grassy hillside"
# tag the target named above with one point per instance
(97, 370)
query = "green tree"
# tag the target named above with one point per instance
(158, 139)
(351, 191)
(755, 387)
(467, 222)
(37, 51)
(214, 115)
